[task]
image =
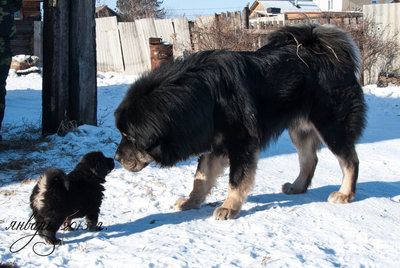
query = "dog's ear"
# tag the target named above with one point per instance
(100, 169)
(66, 182)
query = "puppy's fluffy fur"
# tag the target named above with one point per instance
(58, 198)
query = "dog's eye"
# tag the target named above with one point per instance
(152, 147)
(128, 137)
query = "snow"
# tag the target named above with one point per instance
(142, 228)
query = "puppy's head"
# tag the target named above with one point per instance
(98, 164)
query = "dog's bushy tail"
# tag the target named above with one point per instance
(56, 176)
(328, 42)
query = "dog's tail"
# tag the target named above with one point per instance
(55, 176)
(327, 42)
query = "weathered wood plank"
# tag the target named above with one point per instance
(55, 96)
(83, 73)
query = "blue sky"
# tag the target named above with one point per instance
(190, 8)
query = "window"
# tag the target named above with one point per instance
(17, 15)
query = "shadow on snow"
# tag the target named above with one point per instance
(263, 202)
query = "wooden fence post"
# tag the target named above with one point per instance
(69, 64)
(55, 95)
(245, 17)
(82, 67)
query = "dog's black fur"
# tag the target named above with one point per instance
(231, 104)
(58, 198)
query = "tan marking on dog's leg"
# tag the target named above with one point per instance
(236, 196)
(233, 203)
(208, 170)
(306, 142)
(347, 189)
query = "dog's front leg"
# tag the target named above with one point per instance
(243, 167)
(209, 167)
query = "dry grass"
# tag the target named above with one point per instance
(221, 33)
(16, 150)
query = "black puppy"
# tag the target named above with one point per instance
(58, 198)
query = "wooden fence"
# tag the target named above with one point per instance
(124, 47)
(384, 16)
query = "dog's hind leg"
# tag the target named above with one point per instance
(338, 140)
(243, 165)
(307, 142)
(209, 167)
(349, 163)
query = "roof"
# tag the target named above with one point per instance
(105, 11)
(288, 6)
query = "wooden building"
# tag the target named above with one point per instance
(105, 11)
(23, 42)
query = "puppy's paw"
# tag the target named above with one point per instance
(53, 241)
(223, 214)
(340, 198)
(186, 204)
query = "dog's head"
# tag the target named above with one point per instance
(165, 117)
(98, 164)
(134, 151)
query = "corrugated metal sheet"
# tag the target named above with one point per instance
(133, 51)
(145, 29)
(165, 30)
(108, 46)
(385, 16)
(182, 42)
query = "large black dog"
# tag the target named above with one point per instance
(58, 198)
(225, 106)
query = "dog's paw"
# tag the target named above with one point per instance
(290, 188)
(340, 198)
(186, 204)
(287, 188)
(223, 214)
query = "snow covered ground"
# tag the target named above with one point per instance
(142, 229)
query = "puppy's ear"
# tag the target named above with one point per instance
(100, 170)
